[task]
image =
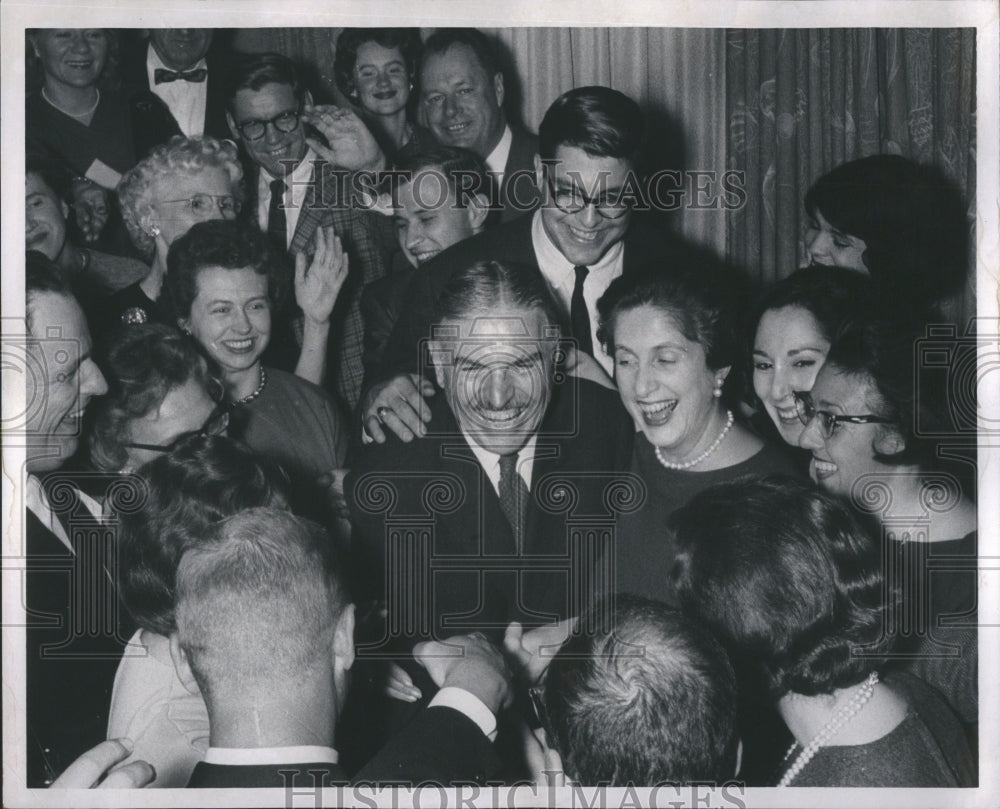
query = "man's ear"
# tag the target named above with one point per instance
(307, 98)
(498, 88)
(232, 126)
(889, 441)
(438, 369)
(539, 174)
(343, 640)
(477, 208)
(182, 666)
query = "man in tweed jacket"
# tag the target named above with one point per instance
(293, 189)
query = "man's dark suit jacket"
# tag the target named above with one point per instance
(330, 203)
(76, 631)
(152, 122)
(441, 745)
(509, 242)
(427, 520)
(519, 191)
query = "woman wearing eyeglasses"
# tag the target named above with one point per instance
(182, 182)
(871, 426)
(160, 391)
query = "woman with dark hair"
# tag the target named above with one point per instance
(791, 326)
(224, 282)
(160, 390)
(802, 595)
(672, 338)
(872, 426)
(168, 509)
(903, 223)
(375, 68)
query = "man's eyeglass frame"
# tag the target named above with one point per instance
(618, 212)
(295, 117)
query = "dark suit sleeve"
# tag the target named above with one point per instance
(441, 745)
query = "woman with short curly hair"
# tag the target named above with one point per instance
(793, 584)
(184, 181)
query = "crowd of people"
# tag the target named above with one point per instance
(395, 443)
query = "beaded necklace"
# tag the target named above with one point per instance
(861, 697)
(260, 388)
(704, 455)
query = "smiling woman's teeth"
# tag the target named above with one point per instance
(823, 468)
(657, 412)
(238, 345)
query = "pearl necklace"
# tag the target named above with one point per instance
(704, 455)
(84, 114)
(260, 388)
(841, 718)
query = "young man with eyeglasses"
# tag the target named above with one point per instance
(296, 184)
(582, 237)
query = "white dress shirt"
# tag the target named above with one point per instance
(301, 754)
(186, 100)
(490, 461)
(561, 278)
(496, 161)
(37, 503)
(296, 187)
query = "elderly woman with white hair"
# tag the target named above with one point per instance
(191, 180)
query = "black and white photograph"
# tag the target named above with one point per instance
(461, 404)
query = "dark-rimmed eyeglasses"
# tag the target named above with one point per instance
(573, 200)
(806, 410)
(287, 121)
(216, 424)
(202, 204)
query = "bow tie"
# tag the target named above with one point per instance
(163, 76)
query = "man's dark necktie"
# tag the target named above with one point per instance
(513, 497)
(163, 76)
(277, 225)
(578, 314)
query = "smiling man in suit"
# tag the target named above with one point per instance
(483, 521)
(292, 190)
(583, 236)
(73, 642)
(175, 85)
(461, 100)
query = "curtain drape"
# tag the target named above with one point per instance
(799, 102)
(781, 106)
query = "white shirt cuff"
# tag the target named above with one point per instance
(467, 703)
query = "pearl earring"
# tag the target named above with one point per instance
(717, 391)
(154, 231)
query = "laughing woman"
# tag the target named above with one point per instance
(672, 338)
(224, 280)
(871, 426)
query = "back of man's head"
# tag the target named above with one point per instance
(258, 604)
(600, 121)
(644, 696)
